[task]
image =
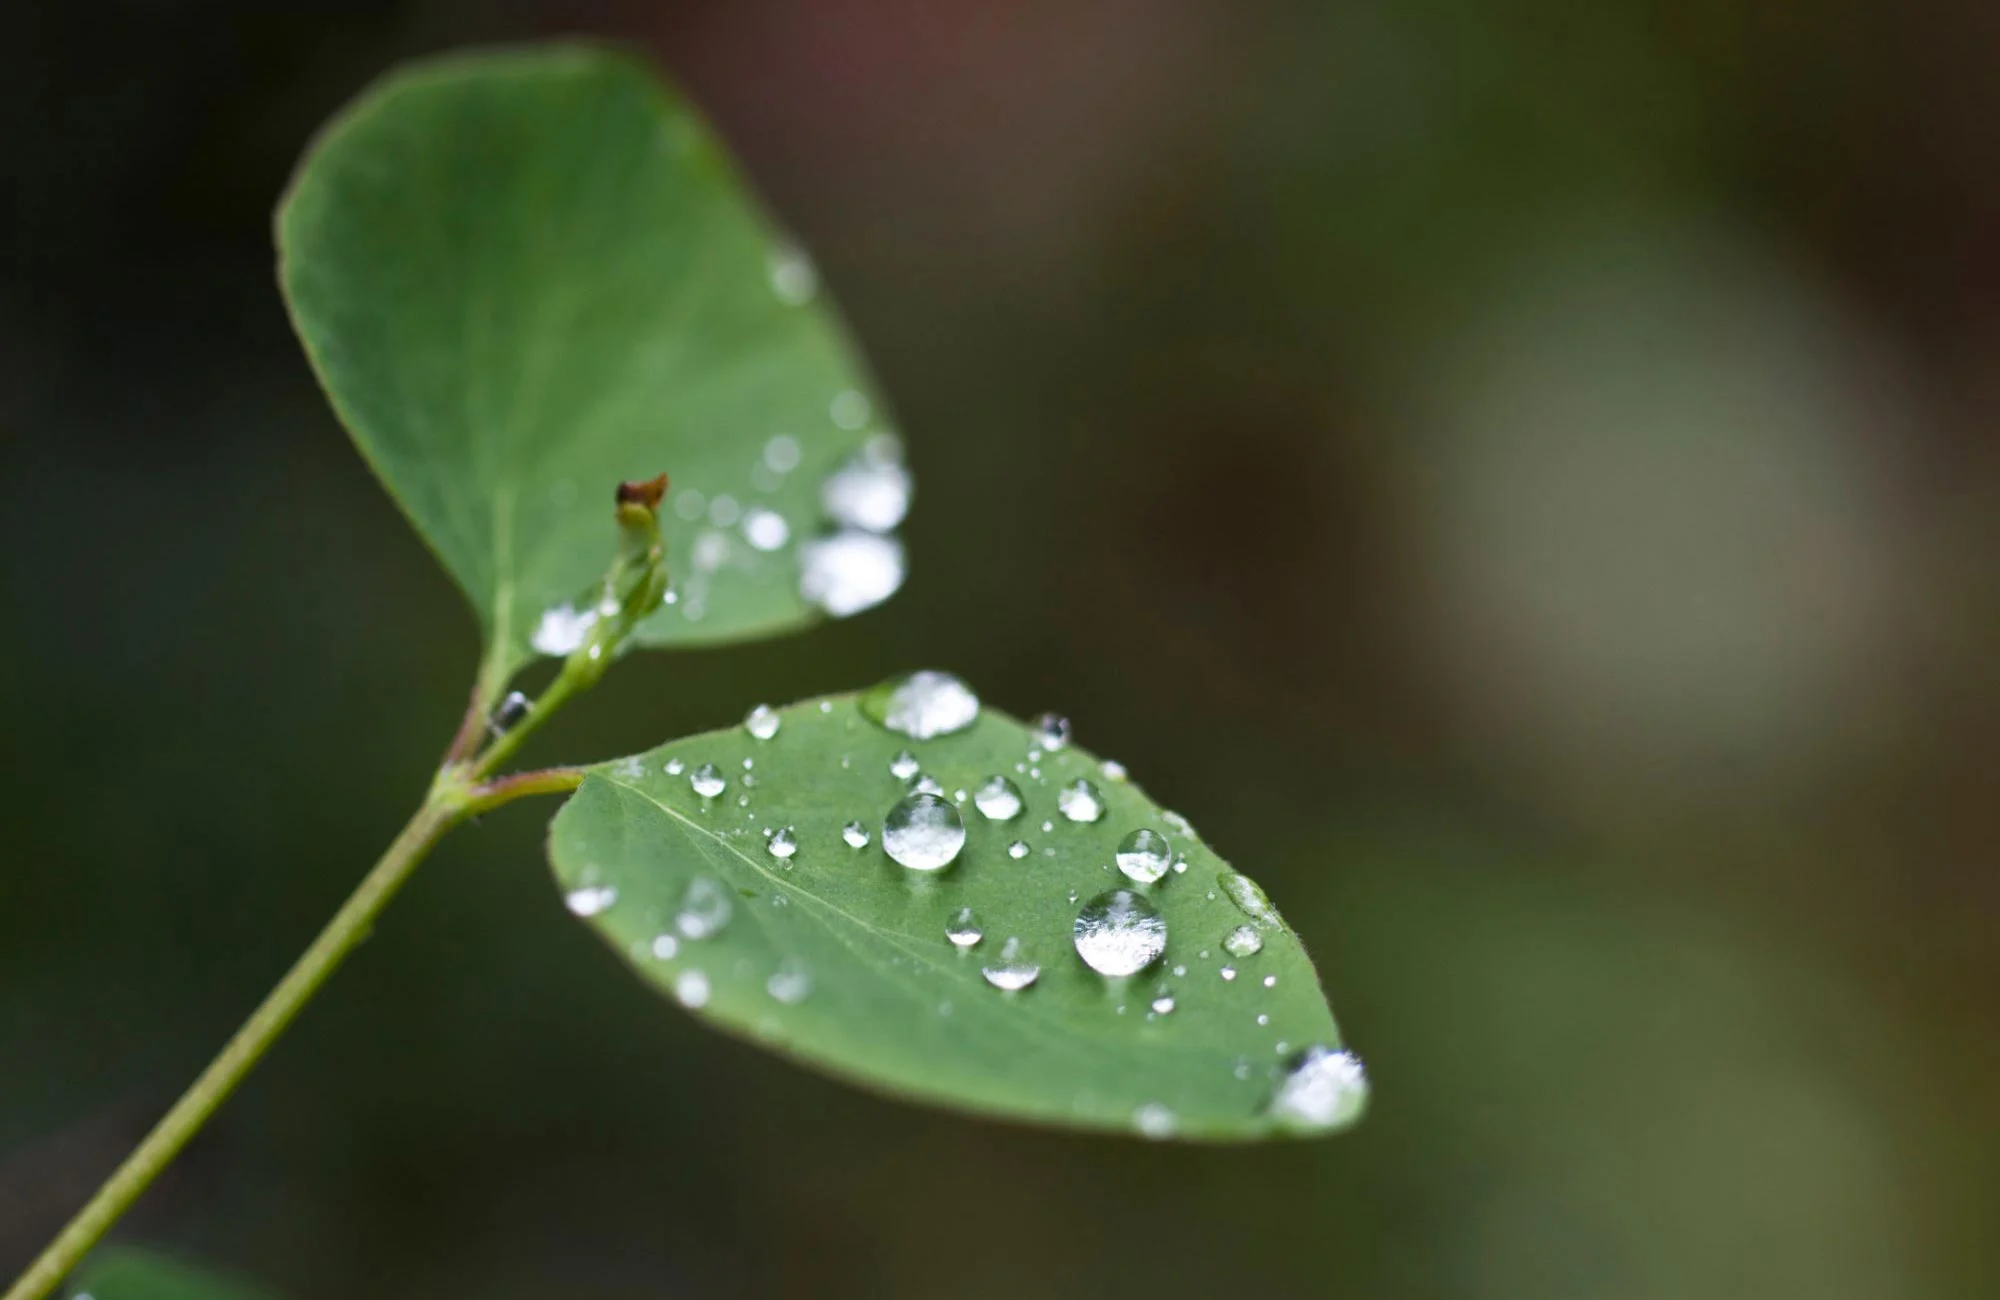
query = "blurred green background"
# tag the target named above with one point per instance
(1521, 478)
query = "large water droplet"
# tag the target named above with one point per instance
(1322, 1089)
(855, 834)
(847, 572)
(765, 529)
(904, 765)
(1144, 855)
(707, 781)
(871, 491)
(562, 629)
(784, 842)
(691, 987)
(922, 705)
(589, 900)
(1154, 1121)
(1012, 972)
(1243, 941)
(762, 722)
(1120, 933)
(1080, 802)
(923, 832)
(789, 984)
(999, 799)
(705, 908)
(1247, 895)
(963, 928)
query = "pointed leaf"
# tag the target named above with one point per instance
(526, 276)
(123, 1273)
(839, 955)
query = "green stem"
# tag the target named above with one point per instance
(449, 803)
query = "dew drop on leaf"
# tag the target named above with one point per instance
(762, 723)
(789, 984)
(1243, 941)
(1018, 850)
(1120, 933)
(705, 909)
(562, 629)
(923, 832)
(904, 765)
(589, 900)
(927, 785)
(922, 705)
(846, 572)
(1051, 732)
(1080, 801)
(765, 529)
(1250, 897)
(707, 781)
(1113, 770)
(1228, 973)
(1011, 972)
(1322, 1089)
(1163, 1002)
(999, 799)
(849, 409)
(871, 491)
(1154, 1121)
(1143, 855)
(784, 842)
(794, 280)
(963, 928)
(855, 834)
(691, 987)
(675, 767)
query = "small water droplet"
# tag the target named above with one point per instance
(1080, 801)
(765, 529)
(1228, 972)
(1051, 732)
(1322, 1089)
(1143, 855)
(1113, 770)
(1180, 971)
(675, 767)
(999, 799)
(789, 984)
(1018, 850)
(1163, 1002)
(794, 280)
(762, 723)
(781, 453)
(1270, 981)
(1180, 866)
(723, 511)
(1120, 933)
(922, 705)
(562, 629)
(855, 834)
(589, 900)
(1012, 972)
(690, 504)
(1263, 1019)
(870, 491)
(1243, 941)
(705, 909)
(1154, 1121)
(963, 928)
(707, 781)
(691, 987)
(923, 832)
(665, 946)
(903, 766)
(508, 712)
(846, 572)
(1245, 893)
(926, 784)
(784, 842)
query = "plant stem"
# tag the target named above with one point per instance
(448, 804)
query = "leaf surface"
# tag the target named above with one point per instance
(125, 1273)
(840, 956)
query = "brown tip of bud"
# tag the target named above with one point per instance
(647, 494)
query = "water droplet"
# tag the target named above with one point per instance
(1180, 865)
(1113, 770)
(1270, 981)
(1322, 1089)
(926, 785)
(781, 453)
(705, 908)
(870, 491)
(508, 712)
(665, 946)
(1163, 1002)
(691, 987)
(999, 799)
(963, 928)
(904, 765)
(1018, 850)
(923, 832)
(1154, 1121)
(707, 781)
(855, 834)
(762, 722)
(847, 572)
(562, 629)
(784, 842)
(922, 705)
(765, 529)
(1228, 972)
(1012, 972)
(675, 767)
(1243, 941)
(848, 409)
(589, 900)
(1080, 802)
(1120, 933)
(1247, 895)
(789, 984)
(793, 278)
(690, 504)
(1143, 855)
(1263, 1019)
(1051, 731)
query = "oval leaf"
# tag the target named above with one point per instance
(725, 869)
(127, 1274)
(524, 277)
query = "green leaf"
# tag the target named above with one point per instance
(123, 1273)
(525, 276)
(839, 955)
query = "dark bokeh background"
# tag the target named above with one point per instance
(1521, 477)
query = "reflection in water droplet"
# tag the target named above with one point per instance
(784, 842)
(765, 529)
(691, 987)
(1012, 972)
(923, 832)
(963, 928)
(793, 277)
(1018, 850)
(1322, 1089)
(848, 409)
(1120, 933)
(789, 984)
(707, 781)
(849, 571)
(1243, 941)
(1080, 802)
(675, 767)
(589, 900)
(903, 766)
(1154, 1121)
(1051, 732)
(562, 629)
(922, 705)
(762, 722)
(1143, 855)
(705, 908)
(855, 834)
(871, 491)
(1245, 893)
(999, 799)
